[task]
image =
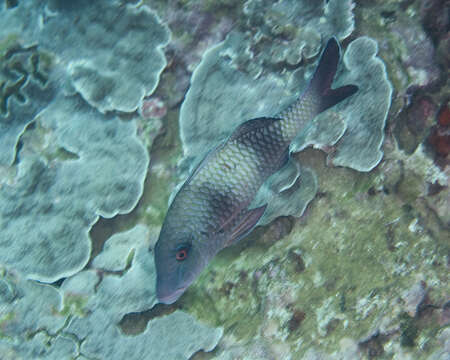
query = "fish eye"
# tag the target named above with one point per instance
(182, 252)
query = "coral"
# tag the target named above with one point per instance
(120, 249)
(410, 54)
(30, 325)
(81, 319)
(238, 62)
(416, 54)
(24, 91)
(210, 113)
(67, 174)
(288, 31)
(442, 55)
(258, 349)
(414, 297)
(360, 146)
(195, 26)
(421, 173)
(276, 192)
(103, 50)
(444, 349)
(49, 206)
(413, 42)
(111, 297)
(413, 123)
(435, 17)
(70, 157)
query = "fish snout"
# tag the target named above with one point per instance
(169, 297)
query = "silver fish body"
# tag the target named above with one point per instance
(211, 210)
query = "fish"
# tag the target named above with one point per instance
(212, 209)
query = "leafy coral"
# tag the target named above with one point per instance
(82, 318)
(24, 91)
(289, 31)
(113, 296)
(105, 66)
(50, 206)
(67, 159)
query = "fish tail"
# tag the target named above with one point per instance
(318, 95)
(319, 88)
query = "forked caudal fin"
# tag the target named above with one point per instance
(320, 85)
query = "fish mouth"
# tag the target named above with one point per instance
(172, 297)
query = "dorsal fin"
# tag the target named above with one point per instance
(251, 125)
(203, 161)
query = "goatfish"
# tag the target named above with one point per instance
(212, 208)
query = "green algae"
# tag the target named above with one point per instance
(160, 181)
(358, 249)
(409, 330)
(7, 43)
(4, 320)
(75, 305)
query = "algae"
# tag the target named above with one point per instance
(357, 251)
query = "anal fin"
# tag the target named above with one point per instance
(247, 224)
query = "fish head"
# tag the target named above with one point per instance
(179, 259)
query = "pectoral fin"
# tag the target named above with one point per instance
(247, 224)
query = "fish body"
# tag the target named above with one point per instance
(211, 209)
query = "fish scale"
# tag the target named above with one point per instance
(211, 209)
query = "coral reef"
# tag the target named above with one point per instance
(109, 298)
(152, 108)
(49, 206)
(363, 274)
(287, 32)
(82, 318)
(70, 156)
(375, 243)
(24, 91)
(291, 181)
(233, 63)
(98, 48)
(439, 137)
(365, 123)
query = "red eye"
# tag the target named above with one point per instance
(181, 254)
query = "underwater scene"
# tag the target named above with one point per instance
(224, 179)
